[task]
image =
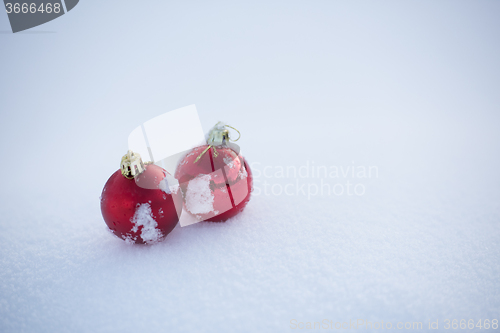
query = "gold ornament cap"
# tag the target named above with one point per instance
(131, 165)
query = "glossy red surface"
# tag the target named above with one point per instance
(237, 190)
(189, 169)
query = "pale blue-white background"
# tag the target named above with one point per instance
(410, 87)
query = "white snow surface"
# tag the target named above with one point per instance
(410, 87)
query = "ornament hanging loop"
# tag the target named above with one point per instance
(239, 134)
(218, 136)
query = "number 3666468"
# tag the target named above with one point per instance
(32, 8)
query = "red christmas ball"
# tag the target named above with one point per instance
(139, 209)
(216, 183)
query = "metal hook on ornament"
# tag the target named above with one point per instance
(218, 136)
(239, 134)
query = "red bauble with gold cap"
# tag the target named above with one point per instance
(137, 204)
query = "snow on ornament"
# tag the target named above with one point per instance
(215, 180)
(137, 204)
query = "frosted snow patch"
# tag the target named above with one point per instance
(229, 162)
(199, 197)
(128, 239)
(143, 217)
(243, 172)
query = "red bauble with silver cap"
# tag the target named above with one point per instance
(136, 202)
(215, 180)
